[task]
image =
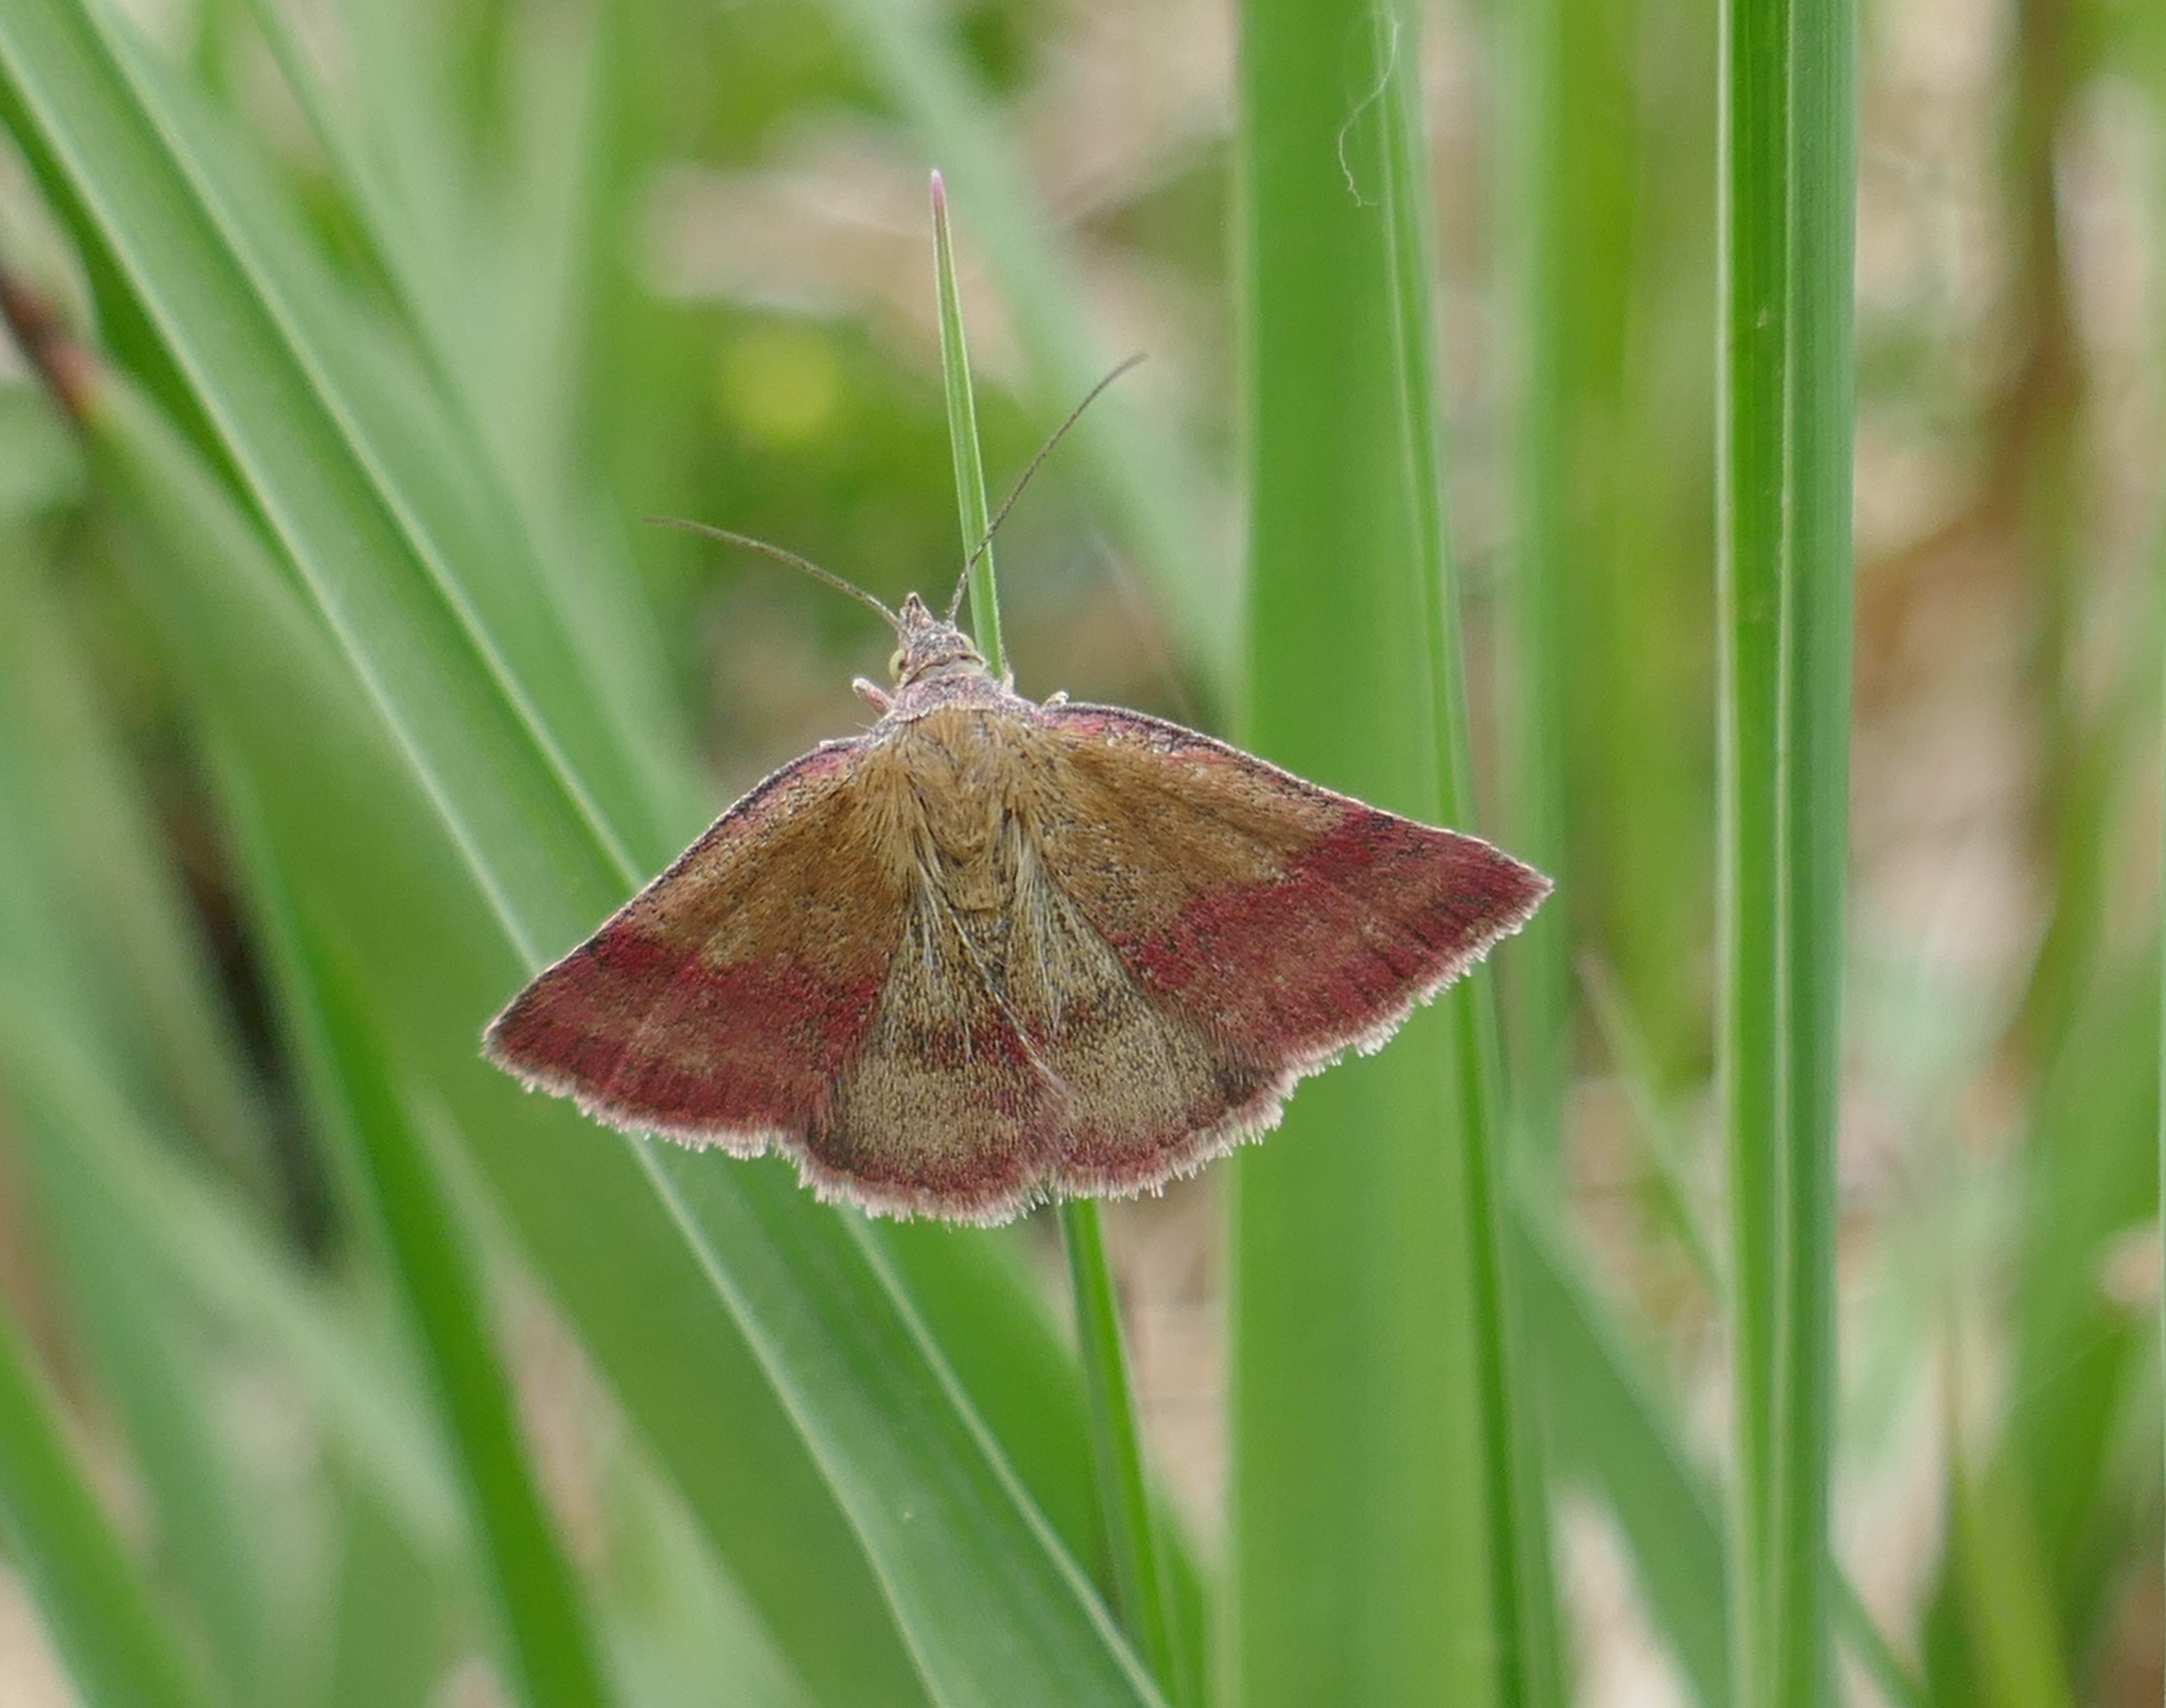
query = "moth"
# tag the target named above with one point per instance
(992, 952)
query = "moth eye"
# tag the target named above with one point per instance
(894, 663)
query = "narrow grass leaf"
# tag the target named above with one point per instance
(1822, 388)
(976, 1290)
(1362, 1544)
(120, 1649)
(1784, 463)
(2079, 1368)
(384, 1639)
(151, 1353)
(1140, 1590)
(1655, 1128)
(1610, 1430)
(545, 1624)
(1531, 1660)
(1535, 204)
(2007, 1604)
(1143, 1590)
(1876, 1657)
(991, 1606)
(1755, 310)
(113, 879)
(360, 845)
(145, 1346)
(487, 259)
(1146, 483)
(210, 1247)
(963, 448)
(867, 1393)
(679, 1633)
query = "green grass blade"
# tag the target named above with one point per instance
(1870, 1648)
(680, 1635)
(383, 1637)
(145, 1346)
(1124, 1510)
(1536, 201)
(2007, 1603)
(1146, 483)
(528, 838)
(1785, 575)
(359, 841)
(974, 1290)
(978, 1292)
(1141, 1591)
(207, 1246)
(486, 277)
(989, 1603)
(152, 1354)
(963, 446)
(1755, 310)
(2053, 1482)
(1364, 1557)
(121, 1651)
(109, 877)
(1530, 1656)
(544, 1623)
(1654, 1126)
(1815, 806)
(1608, 1429)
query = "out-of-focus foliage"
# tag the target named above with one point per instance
(339, 680)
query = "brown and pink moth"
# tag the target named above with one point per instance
(992, 952)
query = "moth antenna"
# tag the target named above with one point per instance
(1023, 480)
(804, 565)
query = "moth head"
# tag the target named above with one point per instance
(927, 645)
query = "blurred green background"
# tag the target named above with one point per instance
(339, 681)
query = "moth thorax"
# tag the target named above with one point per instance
(962, 824)
(968, 849)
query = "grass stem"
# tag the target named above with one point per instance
(1530, 1671)
(1140, 1588)
(1819, 390)
(1783, 451)
(1141, 1596)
